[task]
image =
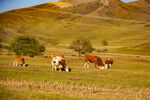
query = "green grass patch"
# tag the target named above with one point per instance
(125, 72)
(135, 50)
(9, 94)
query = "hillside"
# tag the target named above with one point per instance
(121, 24)
(146, 1)
(143, 5)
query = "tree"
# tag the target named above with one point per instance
(82, 46)
(26, 45)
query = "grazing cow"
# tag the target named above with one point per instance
(94, 59)
(108, 62)
(19, 61)
(60, 62)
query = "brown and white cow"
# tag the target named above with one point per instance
(59, 61)
(18, 60)
(108, 62)
(94, 59)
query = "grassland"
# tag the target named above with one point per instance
(128, 76)
(128, 45)
(11, 94)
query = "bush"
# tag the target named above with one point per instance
(7, 47)
(26, 45)
(82, 46)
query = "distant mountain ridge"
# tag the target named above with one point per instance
(112, 8)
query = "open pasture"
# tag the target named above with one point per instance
(129, 75)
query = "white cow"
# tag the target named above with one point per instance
(59, 62)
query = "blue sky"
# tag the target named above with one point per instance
(6, 5)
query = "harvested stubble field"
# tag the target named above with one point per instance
(128, 79)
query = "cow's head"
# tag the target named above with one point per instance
(107, 66)
(100, 63)
(67, 69)
(108, 62)
(64, 65)
(22, 62)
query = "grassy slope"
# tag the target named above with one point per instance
(50, 26)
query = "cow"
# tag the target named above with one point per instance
(94, 59)
(18, 60)
(60, 62)
(108, 62)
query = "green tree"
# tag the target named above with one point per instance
(82, 46)
(26, 45)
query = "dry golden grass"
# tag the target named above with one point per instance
(61, 4)
(79, 90)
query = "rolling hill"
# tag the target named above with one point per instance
(125, 25)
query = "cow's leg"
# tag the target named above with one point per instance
(95, 65)
(14, 64)
(88, 65)
(52, 66)
(85, 64)
(60, 68)
(18, 64)
(109, 65)
(55, 68)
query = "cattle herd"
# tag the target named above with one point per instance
(58, 62)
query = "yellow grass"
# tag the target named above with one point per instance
(78, 90)
(61, 4)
